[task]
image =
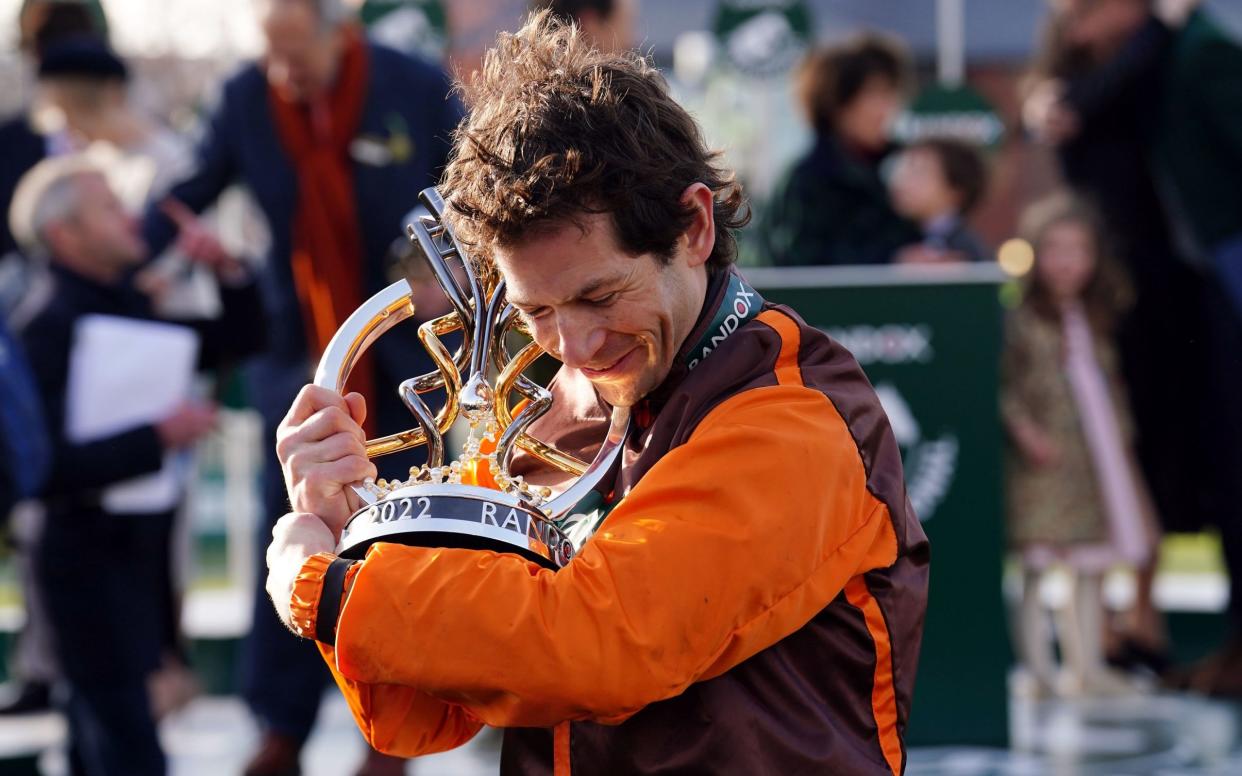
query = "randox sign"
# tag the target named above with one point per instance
(763, 38)
(957, 112)
(929, 340)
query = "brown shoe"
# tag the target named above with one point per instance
(380, 764)
(277, 756)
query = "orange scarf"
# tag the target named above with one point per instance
(327, 259)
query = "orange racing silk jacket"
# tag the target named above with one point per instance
(751, 603)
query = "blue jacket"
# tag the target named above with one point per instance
(407, 100)
(25, 453)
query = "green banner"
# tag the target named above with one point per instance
(413, 26)
(763, 38)
(929, 339)
(956, 112)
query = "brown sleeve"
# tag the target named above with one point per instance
(731, 542)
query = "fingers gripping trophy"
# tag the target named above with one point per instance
(471, 501)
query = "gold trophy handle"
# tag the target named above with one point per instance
(361, 329)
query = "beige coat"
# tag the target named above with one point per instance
(1060, 504)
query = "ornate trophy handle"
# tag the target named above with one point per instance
(484, 318)
(361, 329)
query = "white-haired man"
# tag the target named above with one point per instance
(103, 570)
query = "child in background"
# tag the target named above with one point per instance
(936, 183)
(1074, 493)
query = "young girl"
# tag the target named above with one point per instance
(1074, 494)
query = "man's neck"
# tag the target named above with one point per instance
(323, 91)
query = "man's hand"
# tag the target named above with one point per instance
(296, 537)
(322, 450)
(200, 245)
(191, 421)
(1046, 115)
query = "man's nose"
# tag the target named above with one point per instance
(580, 339)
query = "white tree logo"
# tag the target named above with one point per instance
(930, 464)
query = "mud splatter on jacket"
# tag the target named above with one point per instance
(753, 602)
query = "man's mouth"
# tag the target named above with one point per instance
(613, 369)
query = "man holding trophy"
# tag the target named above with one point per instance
(736, 583)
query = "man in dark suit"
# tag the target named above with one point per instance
(1198, 162)
(102, 568)
(334, 136)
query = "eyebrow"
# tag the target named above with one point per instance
(587, 290)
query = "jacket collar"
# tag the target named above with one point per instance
(730, 302)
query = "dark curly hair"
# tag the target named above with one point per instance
(830, 77)
(558, 130)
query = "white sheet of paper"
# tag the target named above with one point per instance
(123, 373)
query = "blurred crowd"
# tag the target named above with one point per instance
(1120, 373)
(1123, 356)
(1123, 352)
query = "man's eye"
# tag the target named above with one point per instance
(606, 299)
(535, 314)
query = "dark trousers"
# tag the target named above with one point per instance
(104, 578)
(111, 732)
(1182, 355)
(1222, 456)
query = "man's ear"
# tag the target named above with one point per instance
(58, 238)
(700, 235)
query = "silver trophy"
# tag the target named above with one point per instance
(471, 501)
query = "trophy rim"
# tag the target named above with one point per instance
(355, 543)
(476, 492)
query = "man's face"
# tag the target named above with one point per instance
(101, 231)
(618, 318)
(918, 187)
(865, 121)
(301, 56)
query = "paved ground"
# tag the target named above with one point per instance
(214, 737)
(1164, 735)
